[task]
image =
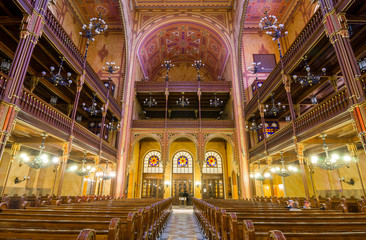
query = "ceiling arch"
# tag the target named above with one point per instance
(182, 42)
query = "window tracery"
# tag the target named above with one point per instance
(152, 162)
(182, 162)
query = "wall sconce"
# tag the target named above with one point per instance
(167, 183)
(17, 180)
(350, 182)
(198, 184)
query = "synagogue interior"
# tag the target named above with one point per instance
(236, 119)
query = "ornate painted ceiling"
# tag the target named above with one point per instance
(182, 43)
(183, 4)
(110, 10)
(255, 10)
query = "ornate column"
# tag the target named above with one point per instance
(300, 157)
(31, 31)
(337, 30)
(14, 151)
(269, 163)
(63, 163)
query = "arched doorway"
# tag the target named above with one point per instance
(212, 176)
(182, 166)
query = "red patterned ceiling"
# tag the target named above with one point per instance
(110, 10)
(183, 4)
(183, 43)
(255, 10)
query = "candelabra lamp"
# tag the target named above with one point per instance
(17, 180)
(332, 162)
(92, 110)
(310, 79)
(274, 109)
(182, 102)
(276, 31)
(41, 160)
(83, 171)
(216, 102)
(113, 125)
(104, 175)
(110, 68)
(197, 64)
(57, 78)
(95, 27)
(350, 182)
(150, 102)
(283, 171)
(255, 68)
(167, 65)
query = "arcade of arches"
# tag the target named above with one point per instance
(182, 104)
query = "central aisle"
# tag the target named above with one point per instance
(182, 225)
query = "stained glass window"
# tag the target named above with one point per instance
(213, 163)
(152, 162)
(182, 162)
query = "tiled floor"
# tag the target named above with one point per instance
(182, 225)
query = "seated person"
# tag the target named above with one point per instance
(307, 205)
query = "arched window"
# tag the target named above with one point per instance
(153, 163)
(213, 163)
(182, 162)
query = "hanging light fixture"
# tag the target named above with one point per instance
(57, 78)
(310, 78)
(259, 175)
(255, 68)
(41, 160)
(330, 162)
(362, 65)
(92, 110)
(150, 102)
(253, 126)
(110, 68)
(167, 65)
(283, 172)
(216, 102)
(83, 171)
(95, 27)
(5, 66)
(112, 125)
(182, 102)
(53, 100)
(197, 64)
(275, 109)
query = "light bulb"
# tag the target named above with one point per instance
(314, 159)
(267, 175)
(335, 156)
(347, 158)
(55, 160)
(88, 167)
(73, 168)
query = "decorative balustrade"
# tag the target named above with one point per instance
(180, 86)
(296, 50)
(257, 151)
(42, 110)
(333, 106)
(183, 124)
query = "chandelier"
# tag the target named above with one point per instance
(259, 175)
(254, 127)
(92, 110)
(182, 102)
(150, 102)
(168, 65)
(110, 68)
(330, 162)
(216, 102)
(273, 110)
(197, 64)
(310, 78)
(112, 126)
(104, 175)
(283, 172)
(41, 160)
(83, 171)
(57, 78)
